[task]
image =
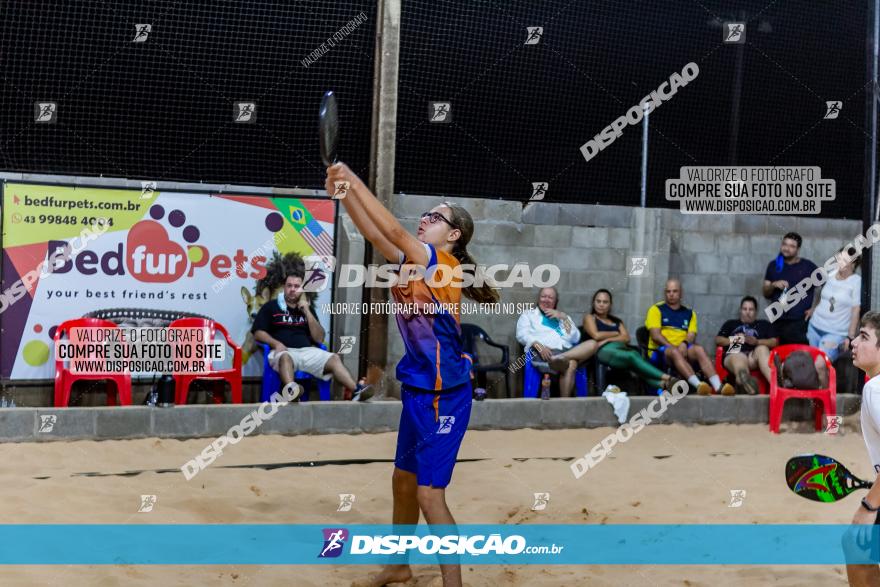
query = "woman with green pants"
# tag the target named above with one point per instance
(611, 334)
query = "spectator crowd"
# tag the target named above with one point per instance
(827, 318)
(667, 351)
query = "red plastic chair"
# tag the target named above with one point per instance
(233, 376)
(827, 398)
(723, 373)
(64, 378)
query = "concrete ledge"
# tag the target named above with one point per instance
(506, 414)
(569, 413)
(334, 417)
(192, 421)
(289, 420)
(179, 422)
(69, 424)
(18, 424)
(380, 416)
(120, 422)
(717, 409)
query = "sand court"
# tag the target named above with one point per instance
(666, 474)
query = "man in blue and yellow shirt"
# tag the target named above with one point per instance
(673, 329)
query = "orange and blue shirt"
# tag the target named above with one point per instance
(434, 358)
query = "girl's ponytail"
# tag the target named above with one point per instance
(485, 293)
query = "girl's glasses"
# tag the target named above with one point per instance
(434, 217)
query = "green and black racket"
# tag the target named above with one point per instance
(821, 478)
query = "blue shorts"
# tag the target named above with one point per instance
(432, 426)
(658, 356)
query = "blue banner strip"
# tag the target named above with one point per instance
(275, 544)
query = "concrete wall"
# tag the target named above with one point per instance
(349, 249)
(103, 423)
(719, 258)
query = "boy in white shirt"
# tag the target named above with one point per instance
(866, 356)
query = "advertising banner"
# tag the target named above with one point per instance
(143, 258)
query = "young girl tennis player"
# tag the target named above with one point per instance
(434, 373)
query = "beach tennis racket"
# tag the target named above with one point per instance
(328, 131)
(821, 478)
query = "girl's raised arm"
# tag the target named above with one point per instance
(379, 222)
(367, 227)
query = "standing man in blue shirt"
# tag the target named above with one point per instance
(782, 274)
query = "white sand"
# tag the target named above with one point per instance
(690, 486)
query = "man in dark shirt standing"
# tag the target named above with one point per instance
(747, 345)
(292, 331)
(782, 274)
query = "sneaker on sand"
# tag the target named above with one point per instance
(745, 383)
(727, 389)
(292, 390)
(362, 393)
(704, 389)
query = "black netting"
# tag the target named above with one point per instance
(164, 109)
(521, 112)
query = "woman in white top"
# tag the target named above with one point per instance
(835, 320)
(547, 332)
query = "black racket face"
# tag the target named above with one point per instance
(328, 128)
(820, 478)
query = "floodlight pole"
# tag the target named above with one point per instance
(645, 155)
(373, 357)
